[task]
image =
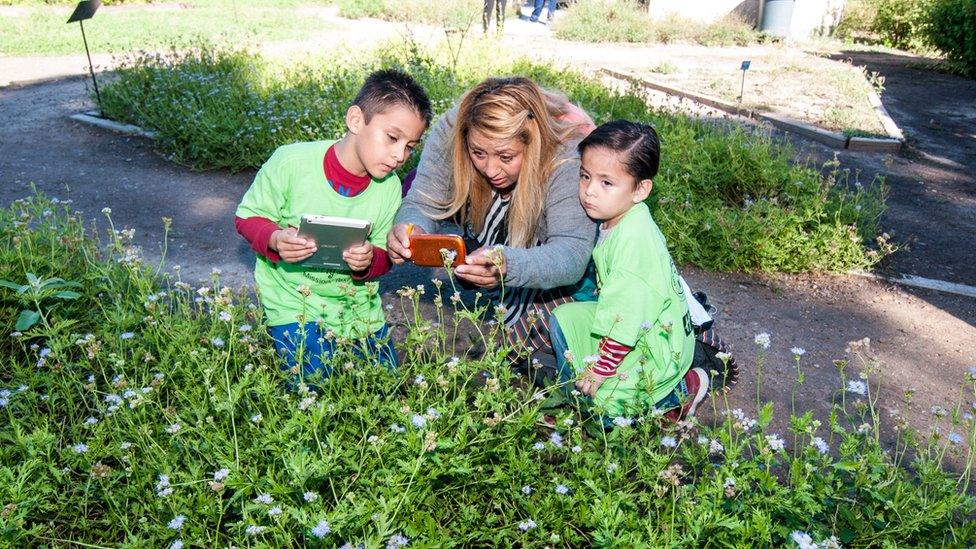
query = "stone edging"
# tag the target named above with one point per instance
(837, 140)
(94, 119)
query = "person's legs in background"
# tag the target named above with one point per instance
(537, 10)
(500, 14)
(486, 14)
(552, 11)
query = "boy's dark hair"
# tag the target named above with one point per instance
(637, 142)
(388, 87)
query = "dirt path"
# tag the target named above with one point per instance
(923, 338)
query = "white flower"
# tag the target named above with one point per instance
(857, 387)
(127, 335)
(254, 530)
(310, 496)
(715, 447)
(177, 544)
(762, 339)
(16, 334)
(433, 414)
(418, 421)
(217, 342)
(106, 210)
(264, 498)
(621, 421)
(526, 489)
(612, 468)
(556, 439)
(644, 326)
(90, 421)
(419, 380)
(44, 352)
(125, 445)
(568, 421)
(803, 540)
(80, 448)
(397, 541)
(576, 449)
(955, 438)
(798, 351)
(274, 511)
(224, 316)
(221, 474)
(397, 428)
(820, 445)
(669, 442)
(244, 328)
(538, 446)
(177, 522)
(527, 525)
(775, 443)
(723, 356)
(174, 428)
(939, 411)
(703, 440)
(562, 489)
(256, 418)
(321, 529)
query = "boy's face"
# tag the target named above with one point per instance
(383, 144)
(606, 190)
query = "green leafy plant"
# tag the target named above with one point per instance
(952, 29)
(159, 415)
(36, 292)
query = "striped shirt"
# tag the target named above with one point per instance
(516, 300)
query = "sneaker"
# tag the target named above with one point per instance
(696, 381)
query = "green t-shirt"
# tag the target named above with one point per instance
(641, 304)
(290, 184)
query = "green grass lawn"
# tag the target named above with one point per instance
(41, 30)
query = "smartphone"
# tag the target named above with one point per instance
(436, 250)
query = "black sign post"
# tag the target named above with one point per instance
(86, 10)
(742, 90)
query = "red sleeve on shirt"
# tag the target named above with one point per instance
(612, 354)
(380, 266)
(257, 231)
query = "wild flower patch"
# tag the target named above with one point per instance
(727, 198)
(198, 443)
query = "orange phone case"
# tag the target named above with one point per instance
(425, 249)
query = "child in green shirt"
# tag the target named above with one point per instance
(309, 309)
(633, 348)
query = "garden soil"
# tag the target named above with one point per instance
(924, 339)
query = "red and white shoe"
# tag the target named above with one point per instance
(696, 381)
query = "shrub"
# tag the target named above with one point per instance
(143, 415)
(952, 29)
(231, 109)
(900, 23)
(604, 21)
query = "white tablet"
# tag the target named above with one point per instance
(332, 235)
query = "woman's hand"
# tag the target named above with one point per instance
(484, 268)
(291, 247)
(398, 241)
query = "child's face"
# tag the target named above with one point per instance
(383, 144)
(606, 190)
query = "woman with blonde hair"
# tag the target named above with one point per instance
(503, 164)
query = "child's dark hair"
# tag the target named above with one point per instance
(388, 87)
(637, 142)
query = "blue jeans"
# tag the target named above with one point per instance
(318, 351)
(567, 376)
(537, 10)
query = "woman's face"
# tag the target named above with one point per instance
(499, 160)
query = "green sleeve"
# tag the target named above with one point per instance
(269, 195)
(384, 221)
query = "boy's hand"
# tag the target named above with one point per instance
(291, 247)
(358, 257)
(398, 241)
(589, 382)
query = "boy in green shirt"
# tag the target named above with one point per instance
(308, 309)
(631, 350)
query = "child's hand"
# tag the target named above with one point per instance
(590, 382)
(358, 257)
(291, 247)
